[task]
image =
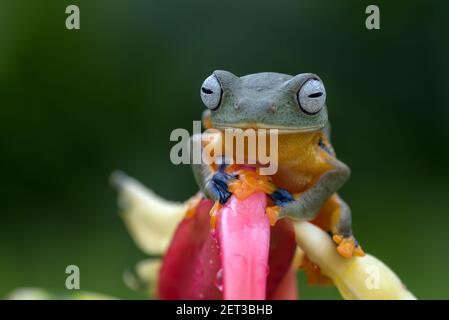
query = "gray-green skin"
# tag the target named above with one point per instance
(266, 100)
(270, 100)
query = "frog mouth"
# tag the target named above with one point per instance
(255, 126)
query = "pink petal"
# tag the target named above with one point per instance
(244, 235)
(192, 269)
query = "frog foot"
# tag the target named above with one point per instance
(347, 246)
(273, 214)
(249, 182)
(219, 186)
(281, 197)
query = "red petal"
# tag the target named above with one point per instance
(192, 262)
(190, 266)
(282, 252)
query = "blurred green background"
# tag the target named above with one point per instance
(76, 105)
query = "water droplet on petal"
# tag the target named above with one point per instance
(219, 279)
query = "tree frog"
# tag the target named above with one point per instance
(309, 174)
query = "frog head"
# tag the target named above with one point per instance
(265, 100)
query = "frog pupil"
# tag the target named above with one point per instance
(315, 95)
(206, 91)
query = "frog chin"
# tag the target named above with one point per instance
(254, 125)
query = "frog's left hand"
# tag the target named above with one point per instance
(307, 205)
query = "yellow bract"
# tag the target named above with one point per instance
(362, 278)
(150, 219)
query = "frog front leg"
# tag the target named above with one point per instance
(213, 183)
(307, 205)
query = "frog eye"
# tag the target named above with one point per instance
(211, 92)
(312, 96)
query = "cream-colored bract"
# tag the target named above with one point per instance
(152, 220)
(361, 278)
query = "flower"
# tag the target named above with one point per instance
(193, 265)
(362, 278)
(231, 259)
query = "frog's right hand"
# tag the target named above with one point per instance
(217, 187)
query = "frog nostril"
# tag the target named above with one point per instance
(272, 108)
(315, 95)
